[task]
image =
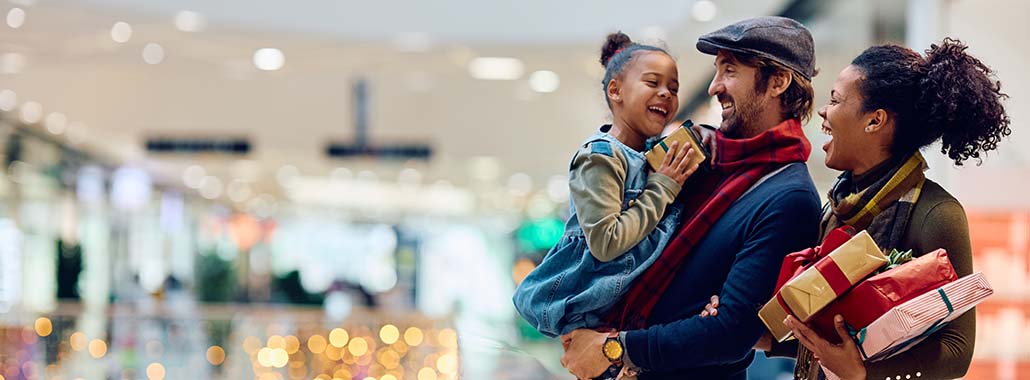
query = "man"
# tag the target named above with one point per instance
(756, 205)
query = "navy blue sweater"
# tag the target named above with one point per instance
(739, 260)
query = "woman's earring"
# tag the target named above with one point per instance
(869, 129)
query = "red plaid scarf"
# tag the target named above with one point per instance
(741, 163)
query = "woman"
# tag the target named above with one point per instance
(884, 107)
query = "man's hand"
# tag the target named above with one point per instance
(583, 357)
(707, 139)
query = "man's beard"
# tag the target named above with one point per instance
(741, 122)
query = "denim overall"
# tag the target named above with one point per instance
(571, 289)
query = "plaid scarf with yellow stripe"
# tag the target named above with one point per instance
(883, 208)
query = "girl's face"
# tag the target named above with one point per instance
(645, 97)
(845, 121)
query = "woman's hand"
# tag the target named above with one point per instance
(676, 164)
(583, 357)
(843, 359)
(707, 139)
(712, 309)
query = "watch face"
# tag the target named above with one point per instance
(612, 349)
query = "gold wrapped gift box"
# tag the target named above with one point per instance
(811, 291)
(681, 135)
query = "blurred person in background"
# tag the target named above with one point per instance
(884, 107)
(757, 204)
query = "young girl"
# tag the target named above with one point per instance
(621, 216)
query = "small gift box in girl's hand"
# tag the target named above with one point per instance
(684, 135)
(814, 288)
(876, 295)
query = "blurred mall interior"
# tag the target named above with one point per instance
(273, 190)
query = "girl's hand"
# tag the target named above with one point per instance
(676, 164)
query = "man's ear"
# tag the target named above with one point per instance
(779, 83)
(614, 91)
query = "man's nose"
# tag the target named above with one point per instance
(715, 88)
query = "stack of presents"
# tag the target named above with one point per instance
(889, 302)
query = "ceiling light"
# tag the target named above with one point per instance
(544, 81)
(194, 176)
(269, 59)
(496, 68)
(56, 123)
(153, 53)
(15, 18)
(31, 112)
(188, 21)
(121, 32)
(704, 11)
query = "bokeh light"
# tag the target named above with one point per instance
(43, 326)
(97, 348)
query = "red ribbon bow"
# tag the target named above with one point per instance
(797, 262)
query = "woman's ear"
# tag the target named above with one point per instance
(614, 91)
(877, 121)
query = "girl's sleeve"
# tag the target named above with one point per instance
(597, 182)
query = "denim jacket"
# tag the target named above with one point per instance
(571, 288)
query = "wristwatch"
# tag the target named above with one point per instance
(612, 348)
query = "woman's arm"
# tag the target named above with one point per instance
(944, 355)
(948, 353)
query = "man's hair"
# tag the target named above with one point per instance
(797, 100)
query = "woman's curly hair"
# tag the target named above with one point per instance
(948, 95)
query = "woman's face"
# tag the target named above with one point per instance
(845, 121)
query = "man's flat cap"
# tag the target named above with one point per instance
(777, 38)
